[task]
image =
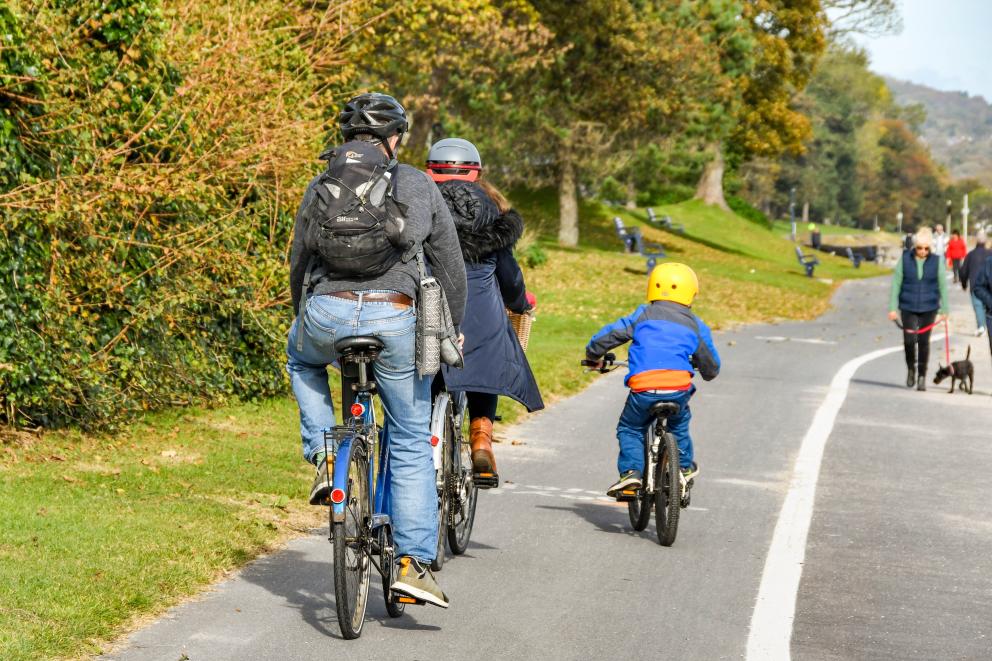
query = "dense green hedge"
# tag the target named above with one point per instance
(152, 160)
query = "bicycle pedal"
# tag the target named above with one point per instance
(407, 599)
(485, 480)
(627, 495)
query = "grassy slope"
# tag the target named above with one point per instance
(100, 531)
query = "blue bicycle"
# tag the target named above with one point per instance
(360, 527)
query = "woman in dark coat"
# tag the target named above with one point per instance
(487, 230)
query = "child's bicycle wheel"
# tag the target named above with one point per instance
(667, 494)
(639, 509)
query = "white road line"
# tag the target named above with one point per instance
(779, 338)
(775, 608)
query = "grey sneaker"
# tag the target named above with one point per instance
(416, 580)
(320, 492)
(629, 480)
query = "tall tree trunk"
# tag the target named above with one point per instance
(425, 112)
(568, 216)
(416, 144)
(710, 188)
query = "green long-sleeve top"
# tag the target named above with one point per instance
(897, 283)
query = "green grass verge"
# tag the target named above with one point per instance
(101, 532)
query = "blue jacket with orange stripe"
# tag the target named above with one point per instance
(668, 340)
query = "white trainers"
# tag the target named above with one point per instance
(980, 331)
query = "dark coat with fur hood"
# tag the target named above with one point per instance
(494, 361)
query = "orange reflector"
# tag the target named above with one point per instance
(434, 441)
(485, 474)
(337, 496)
(357, 409)
(406, 600)
(628, 493)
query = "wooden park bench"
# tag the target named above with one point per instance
(808, 262)
(634, 242)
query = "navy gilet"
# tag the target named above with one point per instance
(918, 295)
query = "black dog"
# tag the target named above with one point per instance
(961, 370)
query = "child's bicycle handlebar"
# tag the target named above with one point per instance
(608, 363)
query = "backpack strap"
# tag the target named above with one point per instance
(302, 314)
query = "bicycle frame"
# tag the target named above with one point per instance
(378, 475)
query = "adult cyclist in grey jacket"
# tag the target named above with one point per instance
(382, 306)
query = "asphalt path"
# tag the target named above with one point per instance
(896, 565)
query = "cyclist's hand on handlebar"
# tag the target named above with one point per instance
(531, 301)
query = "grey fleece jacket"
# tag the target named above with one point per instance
(427, 221)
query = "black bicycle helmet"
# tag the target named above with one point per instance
(373, 113)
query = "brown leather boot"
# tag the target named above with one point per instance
(481, 438)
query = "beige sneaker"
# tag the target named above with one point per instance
(416, 580)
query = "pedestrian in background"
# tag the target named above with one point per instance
(919, 296)
(939, 242)
(970, 269)
(815, 238)
(982, 288)
(956, 251)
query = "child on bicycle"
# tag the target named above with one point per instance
(668, 341)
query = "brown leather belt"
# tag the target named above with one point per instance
(375, 296)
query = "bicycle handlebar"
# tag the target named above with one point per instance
(608, 363)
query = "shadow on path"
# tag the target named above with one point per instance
(606, 518)
(308, 586)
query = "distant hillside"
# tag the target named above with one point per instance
(958, 128)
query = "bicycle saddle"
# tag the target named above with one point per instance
(664, 409)
(358, 344)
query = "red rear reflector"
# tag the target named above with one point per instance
(357, 409)
(337, 496)
(434, 441)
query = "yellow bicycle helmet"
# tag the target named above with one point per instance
(673, 282)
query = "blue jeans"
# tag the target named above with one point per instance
(406, 400)
(634, 421)
(980, 311)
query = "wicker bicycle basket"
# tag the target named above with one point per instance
(521, 326)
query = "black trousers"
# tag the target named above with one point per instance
(956, 265)
(917, 345)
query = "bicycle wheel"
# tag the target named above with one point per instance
(443, 498)
(667, 493)
(462, 493)
(388, 559)
(639, 509)
(352, 566)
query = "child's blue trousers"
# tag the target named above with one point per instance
(634, 422)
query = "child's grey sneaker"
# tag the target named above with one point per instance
(416, 580)
(628, 480)
(320, 492)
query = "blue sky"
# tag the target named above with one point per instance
(946, 44)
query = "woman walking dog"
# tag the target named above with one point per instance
(919, 296)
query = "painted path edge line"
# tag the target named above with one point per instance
(770, 634)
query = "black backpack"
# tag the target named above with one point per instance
(355, 224)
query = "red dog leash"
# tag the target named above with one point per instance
(947, 337)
